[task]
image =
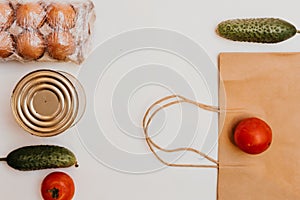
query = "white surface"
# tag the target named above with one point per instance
(193, 18)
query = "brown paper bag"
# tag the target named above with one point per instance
(265, 85)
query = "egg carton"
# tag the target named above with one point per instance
(36, 31)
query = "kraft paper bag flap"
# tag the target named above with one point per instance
(264, 85)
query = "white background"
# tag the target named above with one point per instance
(194, 18)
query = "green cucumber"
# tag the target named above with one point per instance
(40, 157)
(260, 30)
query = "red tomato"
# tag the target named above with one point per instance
(58, 186)
(253, 135)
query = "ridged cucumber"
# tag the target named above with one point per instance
(260, 30)
(40, 157)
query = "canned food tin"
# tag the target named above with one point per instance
(47, 102)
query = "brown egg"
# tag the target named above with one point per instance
(61, 44)
(30, 15)
(6, 44)
(61, 15)
(6, 16)
(30, 45)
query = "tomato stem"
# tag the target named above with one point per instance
(54, 193)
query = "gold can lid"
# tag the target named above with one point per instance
(45, 102)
